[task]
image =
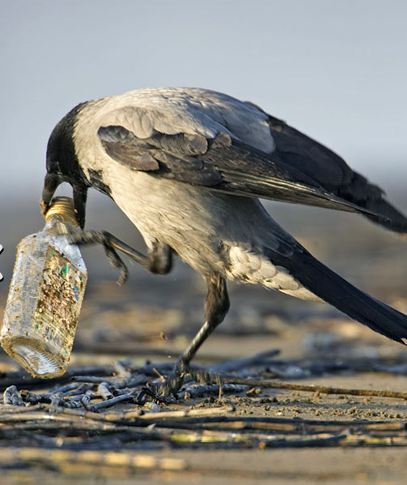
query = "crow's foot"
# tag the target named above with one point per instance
(173, 382)
(169, 388)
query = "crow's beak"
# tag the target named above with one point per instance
(80, 193)
(51, 183)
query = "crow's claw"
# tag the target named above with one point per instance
(173, 383)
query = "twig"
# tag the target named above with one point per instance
(129, 459)
(314, 388)
(104, 391)
(111, 402)
(21, 379)
(244, 363)
(186, 413)
(198, 390)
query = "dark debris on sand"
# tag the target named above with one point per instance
(110, 411)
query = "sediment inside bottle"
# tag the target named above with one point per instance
(56, 313)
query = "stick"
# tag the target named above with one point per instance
(114, 459)
(111, 402)
(198, 390)
(23, 380)
(237, 364)
(313, 388)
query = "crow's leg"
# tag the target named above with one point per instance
(216, 308)
(158, 260)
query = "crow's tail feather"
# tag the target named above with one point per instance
(333, 289)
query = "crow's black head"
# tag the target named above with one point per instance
(63, 164)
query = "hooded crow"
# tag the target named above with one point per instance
(188, 167)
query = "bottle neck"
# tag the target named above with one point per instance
(60, 217)
(59, 225)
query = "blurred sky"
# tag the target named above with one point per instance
(336, 70)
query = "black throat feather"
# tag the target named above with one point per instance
(62, 159)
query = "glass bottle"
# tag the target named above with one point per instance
(45, 295)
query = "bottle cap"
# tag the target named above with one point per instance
(64, 208)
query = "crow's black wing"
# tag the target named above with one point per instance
(221, 163)
(299, 151)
